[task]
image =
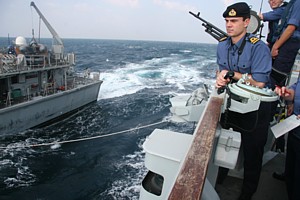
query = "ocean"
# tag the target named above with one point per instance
(138, 77)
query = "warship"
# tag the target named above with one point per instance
(38, 85)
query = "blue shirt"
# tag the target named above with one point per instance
(255, 59)
(296, 111)
(294, 18)
(273, 18)
(273, 15)
(296, 88)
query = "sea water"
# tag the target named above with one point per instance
(139, 78)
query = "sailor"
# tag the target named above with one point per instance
(292, 172)
(287, 43)
(284, 52)
(273, 18)
(249, 58)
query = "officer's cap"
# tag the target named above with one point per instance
(237, 10)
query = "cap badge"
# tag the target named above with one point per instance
(232, 13)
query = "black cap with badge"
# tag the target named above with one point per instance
(237, 10)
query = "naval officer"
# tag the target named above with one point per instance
(249, 58)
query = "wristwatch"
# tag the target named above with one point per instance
(246, 78)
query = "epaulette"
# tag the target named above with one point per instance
(223, 39)
(253, 39)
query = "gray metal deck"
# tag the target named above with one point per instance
(268, 189)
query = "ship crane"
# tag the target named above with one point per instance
(57, 45)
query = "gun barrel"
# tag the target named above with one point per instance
(210, 28)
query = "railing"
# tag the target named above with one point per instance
(7, 100)
(11, 63)
(190, 181)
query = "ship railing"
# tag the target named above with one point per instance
(79, 81)
(15, 97)
(43, 61)
(12, 98)
(191, 178)
(8, 99)
(22, 63)
(12, 63)
(36, 61)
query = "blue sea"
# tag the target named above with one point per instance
(138, 77)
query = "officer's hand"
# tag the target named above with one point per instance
(221, 81)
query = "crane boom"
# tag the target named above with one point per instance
(56, 38)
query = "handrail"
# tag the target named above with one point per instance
(191, 178)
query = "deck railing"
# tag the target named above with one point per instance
(13, 64)
(190, 181)
(7, 100)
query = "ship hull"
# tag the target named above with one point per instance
(43, 109)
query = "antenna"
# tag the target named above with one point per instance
(262, 25)
(261, 3)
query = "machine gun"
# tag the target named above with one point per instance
(211, 29)
(253, 27)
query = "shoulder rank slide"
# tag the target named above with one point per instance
(253, 40)
(223, 39)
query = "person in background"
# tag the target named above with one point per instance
(247, 57)
(292, 164)
(284, 52)
(273, 18)
(287, 44)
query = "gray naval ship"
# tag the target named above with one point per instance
(38, 85)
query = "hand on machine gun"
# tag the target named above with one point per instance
(211, 29)
(229, 75)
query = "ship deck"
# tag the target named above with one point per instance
(268, 188)
(73, 82)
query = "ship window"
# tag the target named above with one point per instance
(153, 183)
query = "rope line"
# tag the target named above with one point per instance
(85, 139)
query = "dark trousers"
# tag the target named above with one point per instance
(292, 165)
(284, 61)
(253, 127)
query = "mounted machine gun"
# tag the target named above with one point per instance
(253, 27)
(211, 29)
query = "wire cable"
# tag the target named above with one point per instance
(85, 139)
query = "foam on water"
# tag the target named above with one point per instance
(157, 72)
(55, 146)
(128, 187)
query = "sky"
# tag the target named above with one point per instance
(153, 20)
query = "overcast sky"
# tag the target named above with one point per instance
(158, 20)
